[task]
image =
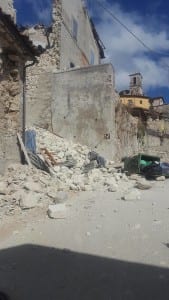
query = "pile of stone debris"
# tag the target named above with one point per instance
(25, 187)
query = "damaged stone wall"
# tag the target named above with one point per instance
(127, 143)
(8, 8)
(83, 107)
(157, 138)
(79, 105)
(49, 60)
(10, 109)
(62, 49)
(135, 135)
(38, 112)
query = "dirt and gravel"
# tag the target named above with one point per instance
(103, 248)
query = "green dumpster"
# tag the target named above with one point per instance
(135, 164)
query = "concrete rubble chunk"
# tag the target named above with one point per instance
(134, 177)
(61, 197)
(132, 195)
(32, 186)
(160, 178)
(57, 211)
(143, 184)
(3, 188)
(30, 200)
(118, 165)
(110, 181)
(112, 188)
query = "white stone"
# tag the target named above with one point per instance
(61, 155)
(111, 170)
(57, 211)
(109, 181)
(32, 186)
(161, 178)
(125, 178)
(61, 197)
(134, 177)
(56, 169)
(18, 195)
(29, 200)
(77, 179)
(112, 188)
(132, 195)
(87, 187)
(3, 188)
(143, 184)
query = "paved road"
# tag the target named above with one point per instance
(104, 249)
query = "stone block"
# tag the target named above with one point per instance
(57, 211)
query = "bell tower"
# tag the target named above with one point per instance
(136, 87)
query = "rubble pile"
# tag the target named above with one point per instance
(24, 187)
(75, 171)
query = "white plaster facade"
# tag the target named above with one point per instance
(72, 40)
(78, 45)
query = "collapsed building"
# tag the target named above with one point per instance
(69, 91)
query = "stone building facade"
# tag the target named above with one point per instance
(78, 105)
(15, 51)
(79, 41)
(71, 41)
(157, 101)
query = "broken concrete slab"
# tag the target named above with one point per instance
(30, 200)
(57, 211)
(160, 178)
(143, 184)
(132, 195)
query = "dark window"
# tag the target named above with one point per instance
(74, 28)
(134, 80)
(72, 65)
(141, 102)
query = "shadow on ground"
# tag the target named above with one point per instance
(39, 273)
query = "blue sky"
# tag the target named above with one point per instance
(33, 11)
(147, 19)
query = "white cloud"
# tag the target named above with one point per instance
(127, 54)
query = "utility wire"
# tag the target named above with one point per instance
(127, 29)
